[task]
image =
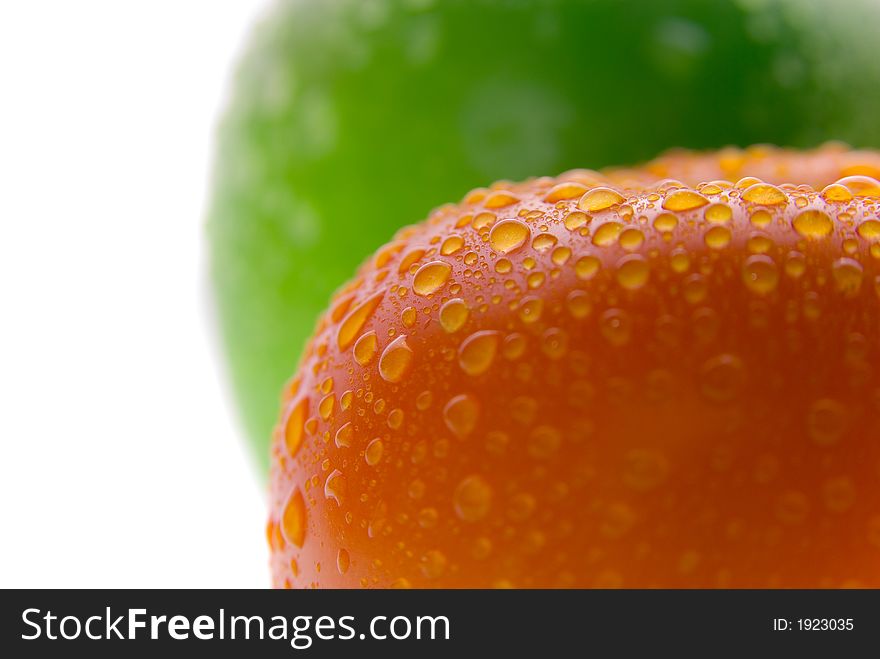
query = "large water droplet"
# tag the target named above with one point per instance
(684, 200)
(351, 326)
(847, 275)
(433, 564)
(564, 191)
(554, 343)
(764, 194)
(826, 421)
(293, 425)
(586, 267)
(599, 199)
(293, 519)
(723, 377)
(344, 435)
(616, 326)
(373, 452)
(461, 414)
(396, 360)
(645, 469)
(633, 272)
(472, 499)
(718, 214)
(760, 274)
(861, 186)
(343, 561)
(530, 309)
(431, 277)
(477, 352)
(508, 236)
(334, 486)
(813, 224)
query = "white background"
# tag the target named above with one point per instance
(121, 461)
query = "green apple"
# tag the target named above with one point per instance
(352, 118)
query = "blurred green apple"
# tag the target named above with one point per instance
(352, 118)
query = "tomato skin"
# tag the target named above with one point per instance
(351, 118)
(656, 405)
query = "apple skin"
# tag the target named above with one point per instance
(350, 119)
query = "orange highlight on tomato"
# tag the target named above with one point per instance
(654, 377)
